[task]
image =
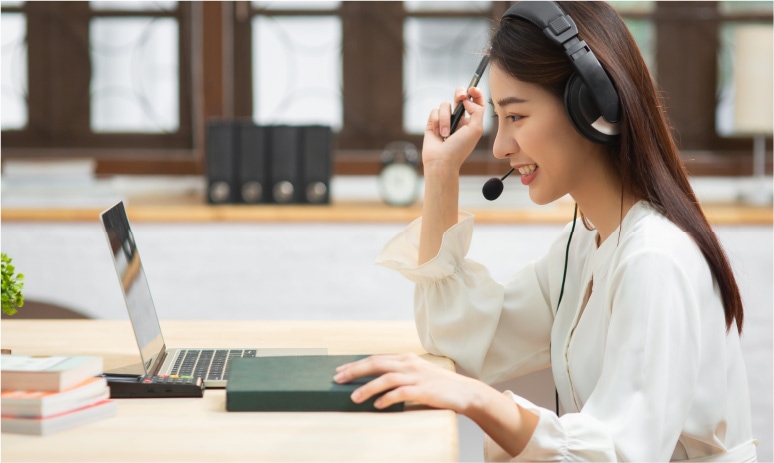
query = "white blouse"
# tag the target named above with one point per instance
(645, 370)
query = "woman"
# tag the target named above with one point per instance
(638, 314)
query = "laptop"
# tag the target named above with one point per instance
(158, 360)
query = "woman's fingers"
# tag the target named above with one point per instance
(459, 95)
(439, 121)
(444, 114)
(407, 377)
(475, 107)
(448, 151)
(476, 95)
(395, 373)
(370, 366)
(473, 101)
(383, 383)
(397, 395)
(432, 123)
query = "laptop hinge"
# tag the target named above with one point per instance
(159, 360)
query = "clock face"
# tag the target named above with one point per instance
(399, 184)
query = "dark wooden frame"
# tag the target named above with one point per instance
(59, 72)
(689, 84)
(216, 46)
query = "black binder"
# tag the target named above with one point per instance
(254, 166)
(316, 164)
(221, 162)
(285, 161)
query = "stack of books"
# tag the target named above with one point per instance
(44, 395)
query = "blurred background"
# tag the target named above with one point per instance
(112, 100)
(133, 84)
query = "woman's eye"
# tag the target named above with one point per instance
(510, 117)
(513, 117)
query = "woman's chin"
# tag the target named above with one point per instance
(537, 198)
(541, 199)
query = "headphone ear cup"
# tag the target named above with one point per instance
(583, 111)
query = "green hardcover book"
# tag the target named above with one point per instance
(300, 384)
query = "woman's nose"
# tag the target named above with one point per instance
(504, 144)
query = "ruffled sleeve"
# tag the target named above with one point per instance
(493, 331)
(570, 438)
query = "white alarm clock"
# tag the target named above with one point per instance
(399, 179)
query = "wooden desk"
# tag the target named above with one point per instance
(201, 429)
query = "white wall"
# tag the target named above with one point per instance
(326, 271)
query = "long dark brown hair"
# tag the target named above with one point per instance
(646, 156)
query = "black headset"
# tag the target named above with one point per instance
(589, 96)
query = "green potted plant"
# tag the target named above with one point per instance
(12, 287)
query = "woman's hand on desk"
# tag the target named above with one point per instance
(410, 378)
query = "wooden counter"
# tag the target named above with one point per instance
(365, 212)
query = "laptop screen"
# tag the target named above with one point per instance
(134, 286)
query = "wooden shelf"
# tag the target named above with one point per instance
(343, 212)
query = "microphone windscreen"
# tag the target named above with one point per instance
(492, 189)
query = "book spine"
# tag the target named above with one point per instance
(36, 381)
(47, 425)
(297, 401)
(45, 409)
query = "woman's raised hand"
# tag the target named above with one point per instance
(447, 154)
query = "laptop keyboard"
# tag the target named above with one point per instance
(210, 364)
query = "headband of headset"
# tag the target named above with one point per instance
(560, 28)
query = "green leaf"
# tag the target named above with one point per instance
(12, 287)
(9, 310)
